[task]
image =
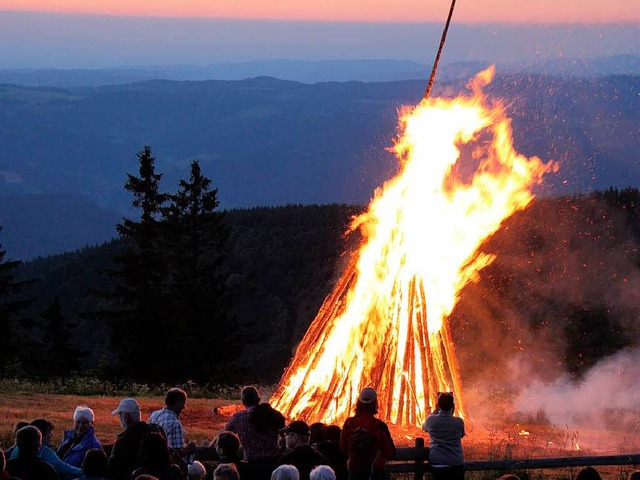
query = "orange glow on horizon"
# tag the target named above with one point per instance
(404, 11)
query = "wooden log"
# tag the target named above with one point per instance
(453, 367)
(411, 403)
(408, 369)
(390, 368)
(424, 349)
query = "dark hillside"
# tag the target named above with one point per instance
(562, 291)
(281, 264)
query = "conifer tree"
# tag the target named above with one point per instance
(139, 319)
(196, 236)
(63, 358)
(11, 307)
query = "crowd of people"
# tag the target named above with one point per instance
(256, 444)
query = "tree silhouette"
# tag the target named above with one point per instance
(140, 322)
(195, 242)
(63, 358)
(12, 304)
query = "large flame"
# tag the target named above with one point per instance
(385, 323)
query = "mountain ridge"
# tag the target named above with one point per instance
(309, 71)
(266, 141)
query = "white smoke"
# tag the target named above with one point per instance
(608, 396)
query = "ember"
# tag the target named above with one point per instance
(386, 322)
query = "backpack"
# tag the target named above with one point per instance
(363, 443)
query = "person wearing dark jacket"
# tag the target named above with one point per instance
(64, 470)
(94, 465)
(155, 459)
(257, 427)
(124, 457)
(366, 440)
(226, 449)
(328, 444)
(27, 464)
(298, 451)
(16, 427)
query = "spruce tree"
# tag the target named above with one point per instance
(139, 320)
(12, 304)
(196, 235)
(63, 358)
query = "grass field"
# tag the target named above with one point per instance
(202, 423)
(199, 419)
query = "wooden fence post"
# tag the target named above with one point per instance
(418, 473)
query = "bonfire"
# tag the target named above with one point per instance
(385, 324)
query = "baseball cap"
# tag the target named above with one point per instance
(127, 405)
(297, 426)
(367, 395)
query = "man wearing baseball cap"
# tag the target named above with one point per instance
(366, 440)
(127, 405)
(124, 453)
(298, 451)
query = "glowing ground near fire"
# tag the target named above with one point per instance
(386, 322)
(204, 418)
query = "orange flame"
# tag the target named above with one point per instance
(385, 323)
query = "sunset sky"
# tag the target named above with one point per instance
(100, 33)
(468, 11)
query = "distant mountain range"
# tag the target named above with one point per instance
(316, 71)
(44, 224)
(265, 141)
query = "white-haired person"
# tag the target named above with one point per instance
(196, 471)
(322, 472)
(285, 472)
(79, 440)
(226, 471)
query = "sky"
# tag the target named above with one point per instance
(119, 33)
(468, 11)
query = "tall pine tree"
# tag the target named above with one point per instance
(196, 236)
(63, 358)
(12, 335)
(140, 322)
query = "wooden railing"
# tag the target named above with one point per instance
(415, 460)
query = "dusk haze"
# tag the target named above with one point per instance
(477, 11)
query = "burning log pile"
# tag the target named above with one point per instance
(404, 343)
(386, 322)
